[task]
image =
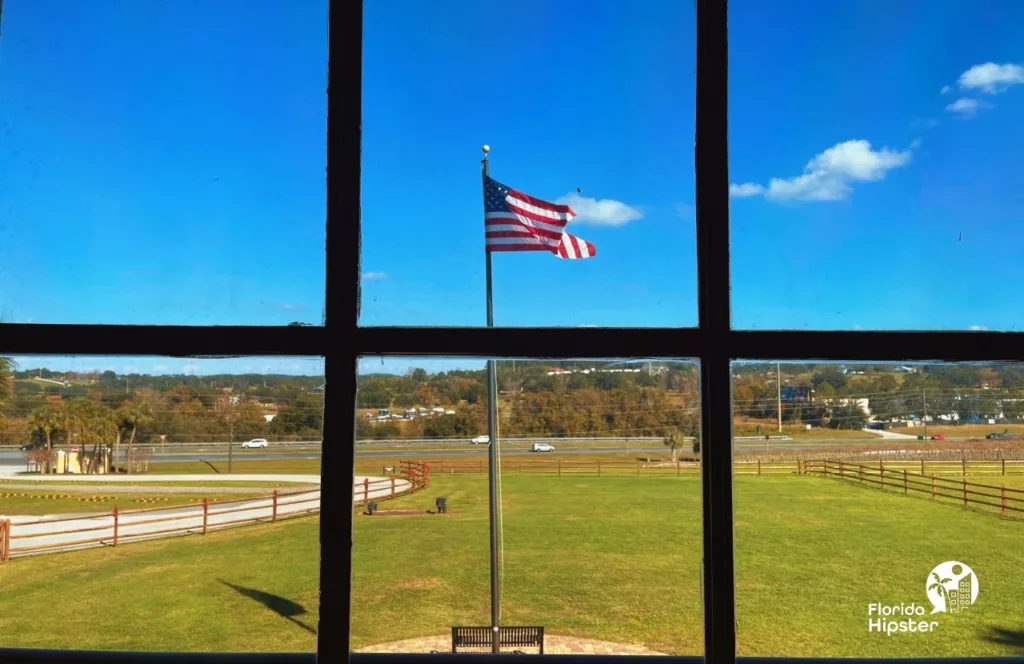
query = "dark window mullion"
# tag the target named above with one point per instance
(344, 126)
(172, 340)
(712, 198)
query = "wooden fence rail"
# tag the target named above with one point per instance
(110, 529)
(1009, 501)
(416, 473)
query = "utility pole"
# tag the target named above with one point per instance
(778, 386)
(231, 434)
(924, 401)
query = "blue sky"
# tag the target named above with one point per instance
(162, 162)
(889, 210)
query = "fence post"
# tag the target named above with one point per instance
(559, 467)
(677, 467)
(965, 491)
(758, 466)
(904, 481)
(824, 465)
(3, 540)
(273, 513)
(392, 486)
(963, 465)
(799, 467)
(842, 469)
(933, 486)
(366, 489)
(115, 525)
(860, 473)
(206, 510)
(1004, 465)
(922, 466)
(1002, 499)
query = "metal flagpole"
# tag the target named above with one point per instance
(492, 445)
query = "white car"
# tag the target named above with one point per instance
(481, 440)
(254, 443)
(542, 447)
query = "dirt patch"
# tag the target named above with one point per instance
(404, 513)
(419, 584)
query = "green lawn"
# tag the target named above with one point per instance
(614, 558)
(253, 588)
(239, 466)
(618, 558)
(57, 502)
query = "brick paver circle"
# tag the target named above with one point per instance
(553, 645)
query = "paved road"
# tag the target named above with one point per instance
(50, 533)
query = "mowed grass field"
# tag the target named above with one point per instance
(248, 589)
(238, 466)
(618, 558)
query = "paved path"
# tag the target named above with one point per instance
(67, 532)
(891, 435)
(553, 645)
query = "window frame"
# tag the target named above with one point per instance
(714, 343)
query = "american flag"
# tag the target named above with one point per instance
(514, 221)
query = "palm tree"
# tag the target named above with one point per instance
(134, 415)
(47, 420)
(6, 381)
(939, 586)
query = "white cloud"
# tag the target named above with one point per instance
(966, 108)
(684, 211)
(945, 90)
(745, 190)
(191, 368)
(977, 328)
(991, 78)
(599, 212)
(371, 276)
(830, 175)
(287, 306)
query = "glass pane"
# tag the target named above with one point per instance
(598, 510)
(879, 509)
(878, 189)
(160, 491)
(598, 120)
(163, 162)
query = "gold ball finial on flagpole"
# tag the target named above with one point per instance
(486, 148)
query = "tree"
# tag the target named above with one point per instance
(132, 416)
(6, 382)
(47, 421)
(831, 375)
(674, 440)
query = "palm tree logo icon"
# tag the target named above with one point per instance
(952, 587)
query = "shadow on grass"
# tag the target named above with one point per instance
(279, 605)
(1008, 637)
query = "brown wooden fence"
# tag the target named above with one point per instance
(416, 473)
(101, 529)
(649, 466)
(989, 497)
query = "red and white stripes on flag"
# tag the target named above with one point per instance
(514, 221)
